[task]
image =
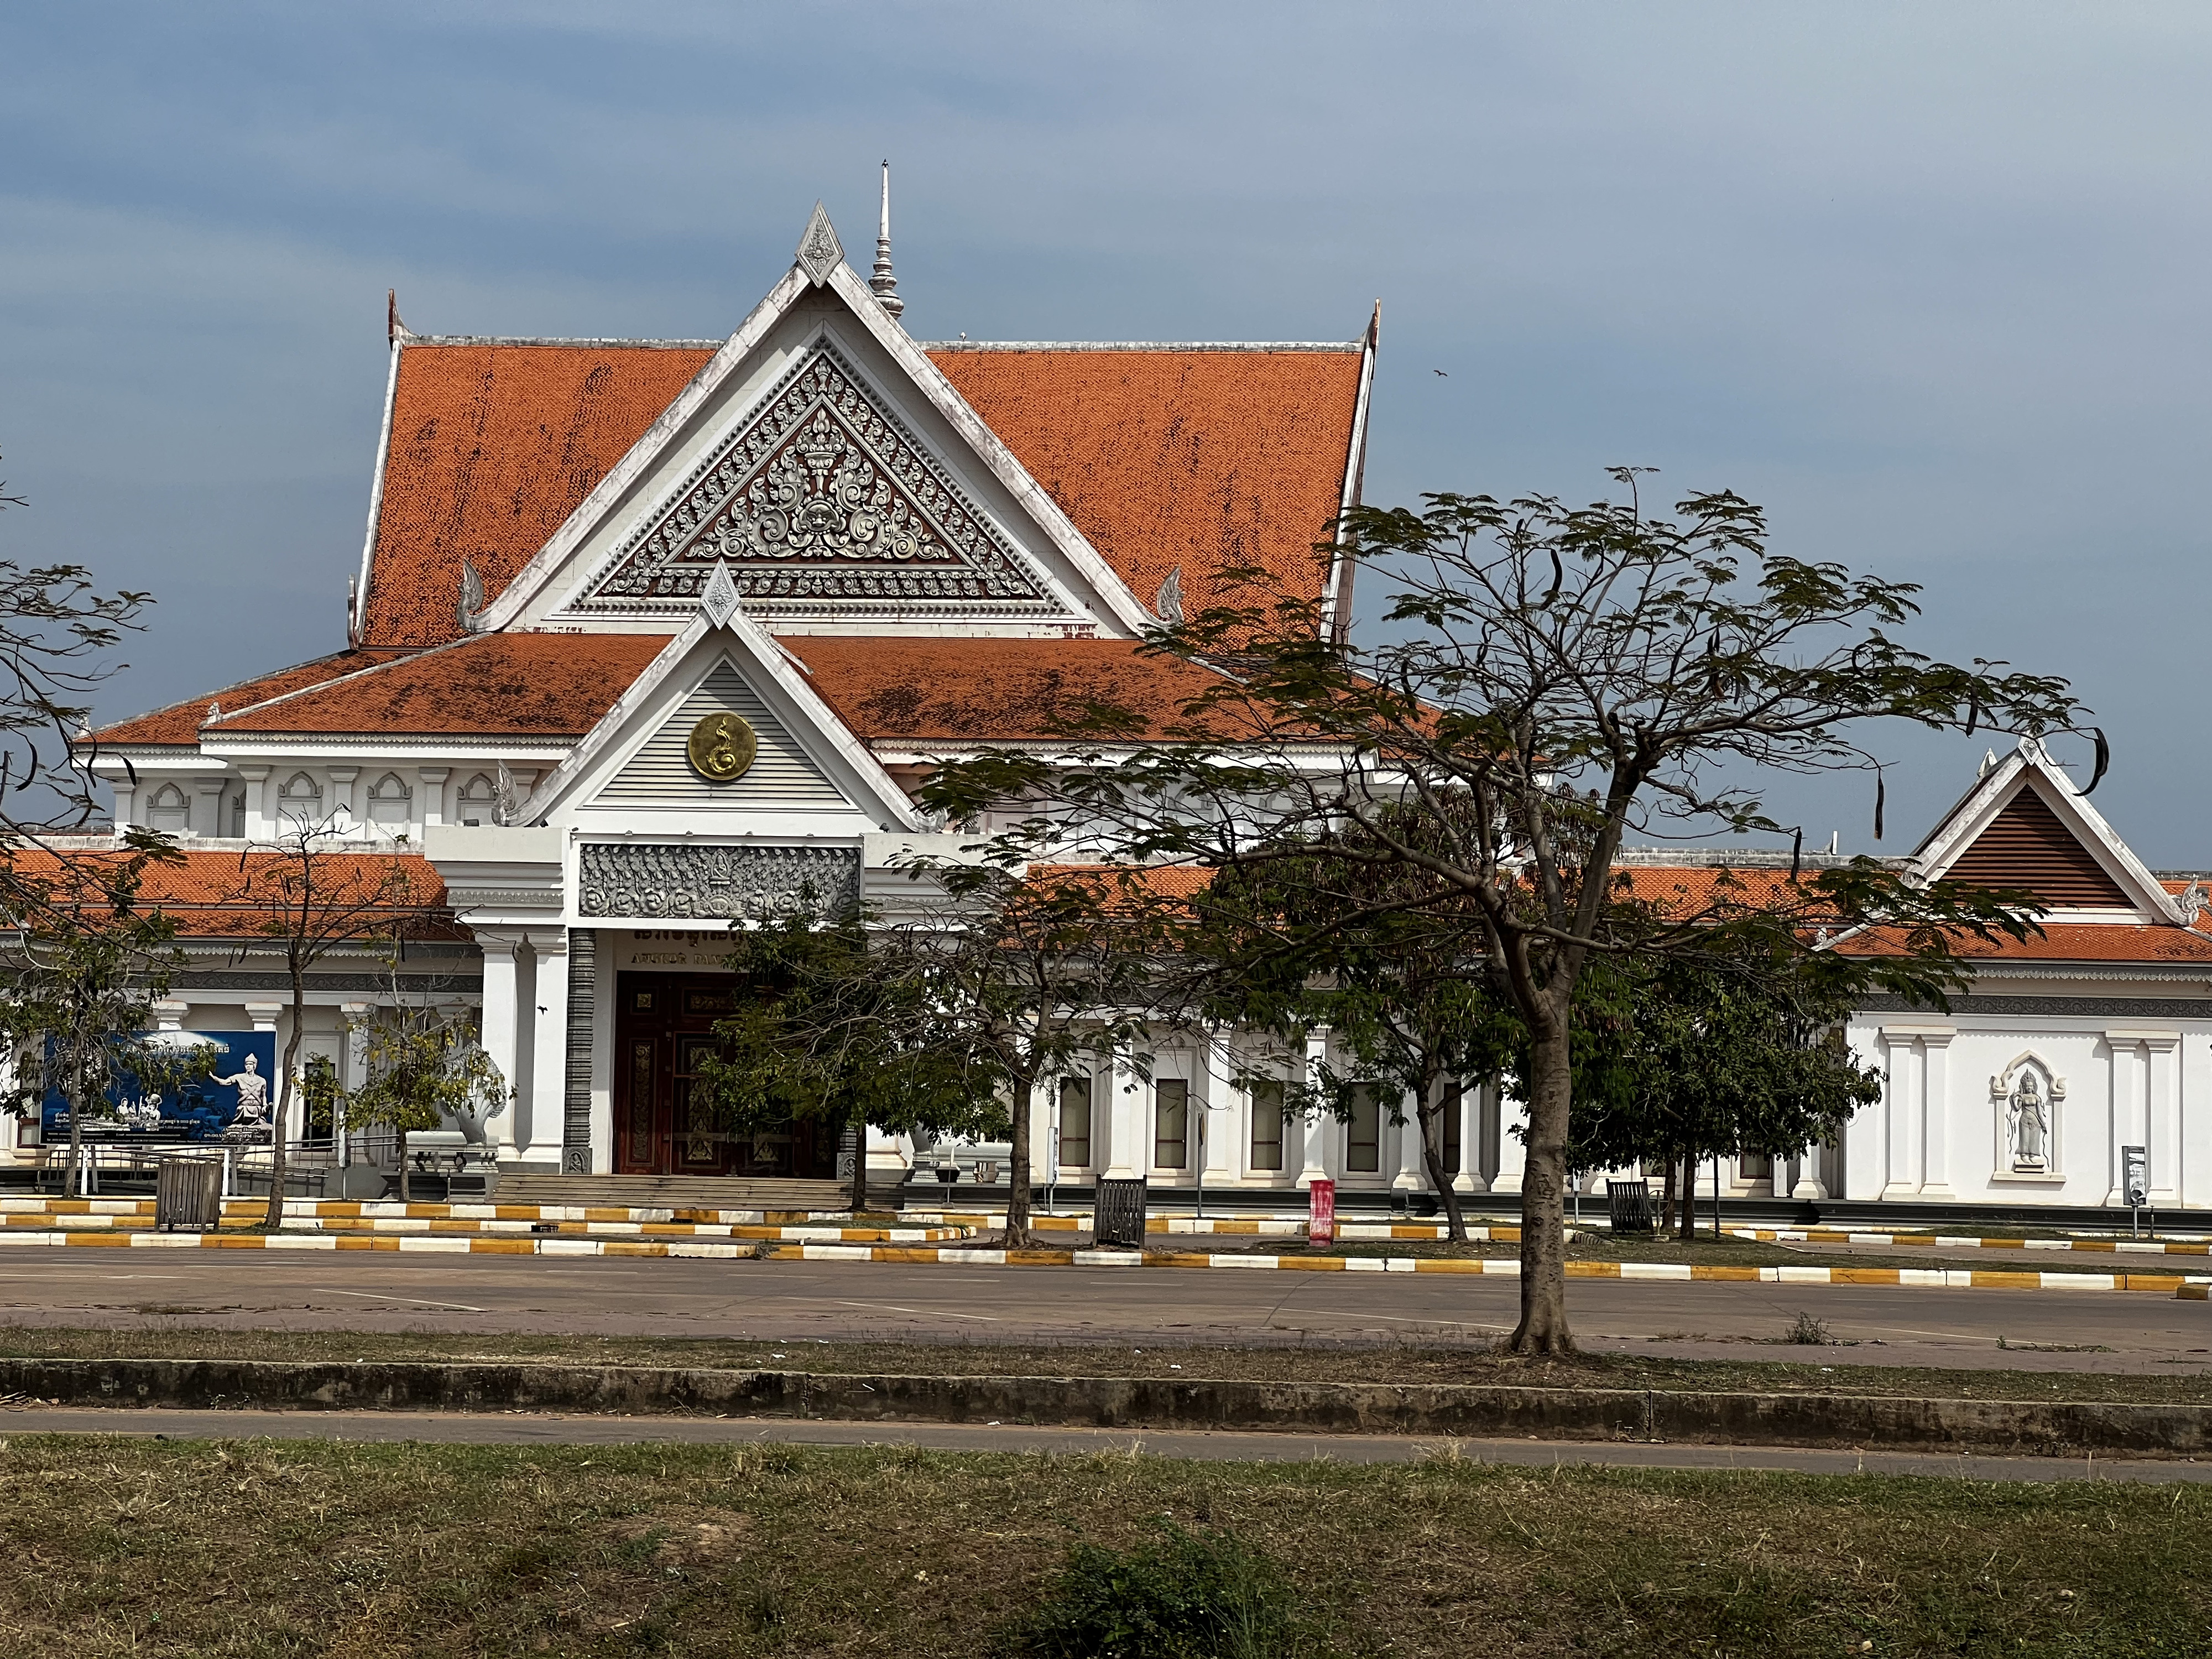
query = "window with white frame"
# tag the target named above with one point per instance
(1075, 1123)
(1171, 1123)
(1363, 1134)
(1267, 1126)
(169, 812)
(391, 806)
(479, 801)
(298, 803)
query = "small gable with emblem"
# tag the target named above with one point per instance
(722, 745)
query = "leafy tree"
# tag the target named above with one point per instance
(1548, 681)
(1691, 1058)
(310, 892)
(421, 1066)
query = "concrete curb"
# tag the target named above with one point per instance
(2038, 1428)
(1937, 1240)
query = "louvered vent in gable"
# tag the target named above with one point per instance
(782, 774)
(2026, 845)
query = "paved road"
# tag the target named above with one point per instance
(800, 1300)
(527, 1430)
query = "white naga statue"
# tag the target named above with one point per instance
(253, 1094)
(2027, 1124)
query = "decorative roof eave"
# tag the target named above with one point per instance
(888, 803)
(1336, 589)
(1120, 602)
(1957, 828)
(472, 745)
(376, 492)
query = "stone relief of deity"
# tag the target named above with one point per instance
(2029, 1096)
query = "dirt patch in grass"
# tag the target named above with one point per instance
(1792, 1369)
(233, 1550)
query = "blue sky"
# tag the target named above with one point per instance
(1926, 281)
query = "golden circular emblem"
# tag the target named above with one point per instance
(721, 747)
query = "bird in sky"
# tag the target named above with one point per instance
(1439, 371)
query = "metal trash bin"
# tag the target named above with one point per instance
(1119, 1214)
(1631, 1204)
(188, 1192)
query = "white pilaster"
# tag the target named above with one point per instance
(264, 1016)
(1935, 1114)
(1312, 1127)
(206, 810)
(354, 1064)
(1412, 1175)
(126, 793)
(2140, 1063)
(342, 808)
(256, 803)
(1124, 1158)
(500, 1032)
(433, 795)
(540, 1134)
(1211, 1105)
(2163, 1131)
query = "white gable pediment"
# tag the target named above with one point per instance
(830, 465)
(780, 772)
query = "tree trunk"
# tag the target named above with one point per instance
(860, 1166)
(1689, 1197)
(1666, 1213)
(274, 1219)
(406, 1191)
(1543, 1327)
(1018, 1174)
(1430, 1123)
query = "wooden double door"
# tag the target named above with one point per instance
(663, 1027)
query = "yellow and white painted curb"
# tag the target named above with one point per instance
(2095, 1246)
(1227, 1226)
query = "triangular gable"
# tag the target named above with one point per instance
(821, 500)
(1116, 608)
(781, 773)
(2026, 825)
(721, 637)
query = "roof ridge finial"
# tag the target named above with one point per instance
(885, 285)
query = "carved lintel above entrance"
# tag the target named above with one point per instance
(680, 880)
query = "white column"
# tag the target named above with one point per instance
(1412, 1175)
(125, 793)
(1512, 1151)
(1918, 1055)
(2141, 1095)
(1935, 1115)
(354, 1064)
(342, 808)
(257, 802)
(1469, 1178)
(169, 1014)
(433, 795)
(549, 1066)
(499, 1032)
(1128, 1154)
(1313, 1143)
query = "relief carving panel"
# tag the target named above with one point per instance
(632, 878)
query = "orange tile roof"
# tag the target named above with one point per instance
(493, 447)
(1163, 458)
(1169, 459)
(927, 689)
(1690, 890)
(2153, 942)
(178, 725)
(211, 895)
(521, 685)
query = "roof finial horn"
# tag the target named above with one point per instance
(885, 285)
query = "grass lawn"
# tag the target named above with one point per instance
(259, 1549)
(1817, 1370)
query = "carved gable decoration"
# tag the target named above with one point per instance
(821, 503)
